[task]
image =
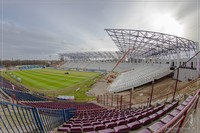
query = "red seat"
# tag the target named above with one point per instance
(130, 119)
(105, 121)
(86, 124)
(167, 119)
(67, 125)
(161, 112)
(145, 121)
(144, 131)
(96, 123)
(156, 126)
(121, 122)
(134, 125)
(87, 128)
(99, 127)
(180, 107)
(175, 112)
(128, 116)
(189, 98)
(145, 114)
(113, 120)
(166, 109)
(64, 129)
(76, 130)
(121, 118)
(77, 125)
(106, 131)
(170, 107)
(154, 116)
(184, 103)
(111, 125)
(91, 132)
(121, 129)
(140, 116)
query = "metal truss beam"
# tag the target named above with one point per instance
(148, 43)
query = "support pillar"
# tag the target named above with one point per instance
(97, 98)
(111, 101)
(151, 95)
(121, 102)
(130, 102)
(107, 100)
(104, 99)
(197, 59)
(178, 58)
(117, 101)
(163, 59)
(176, 84)
(169, 53)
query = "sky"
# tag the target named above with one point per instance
(40, 29)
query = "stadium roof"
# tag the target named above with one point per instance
(147, 43)
(101, 55)
(139, 44)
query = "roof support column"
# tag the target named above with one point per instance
(197, 58)
(153, 60)
(142, 61)
(136, 59)
(178, 57)
(162, 61)
(156, 59)
(169, 53)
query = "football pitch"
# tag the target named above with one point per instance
(53, 82)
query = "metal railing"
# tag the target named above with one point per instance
(181, 120)
(16, 118)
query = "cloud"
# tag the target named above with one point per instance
(37, 29)
(22, 43)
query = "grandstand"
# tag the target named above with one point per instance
(28, 67)
(21, 96)
(141, 74)
(152, 52)
(144, 57)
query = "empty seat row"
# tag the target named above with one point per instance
(138, 76)
(81, 107)
(119, 123)
(4, 83)
(168, 118)
(22, 96)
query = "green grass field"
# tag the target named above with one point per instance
(52, 82)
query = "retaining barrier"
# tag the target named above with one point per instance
(18, 118)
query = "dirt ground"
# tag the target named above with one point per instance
(99, 88)
(141, 94)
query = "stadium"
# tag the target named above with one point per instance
(99, 66)
(150, 85)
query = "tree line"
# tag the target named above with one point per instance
(11, 63)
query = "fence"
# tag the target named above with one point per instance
(180, 122)
(16, 118)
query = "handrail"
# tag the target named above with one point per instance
(186, 108)
(31, 119)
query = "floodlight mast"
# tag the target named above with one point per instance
(121, 59)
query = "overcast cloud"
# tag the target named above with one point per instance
(40, 29)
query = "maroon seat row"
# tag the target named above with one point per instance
(168, 118)
(81, 107)
(7, 84)
(116, 120)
